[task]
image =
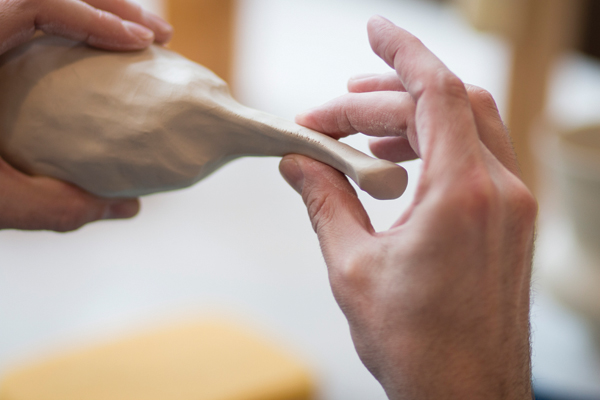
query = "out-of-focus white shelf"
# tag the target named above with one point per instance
(566, 358)
(239, 242)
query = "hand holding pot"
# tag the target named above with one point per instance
(42, 203)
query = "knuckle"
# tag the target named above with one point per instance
(482, 202)
(482, 99)
(102, 16)
(398, 44)
(321, 210)
(355, 270)
(341, 120)
(477, 196)
(445, 83)
(523, 204)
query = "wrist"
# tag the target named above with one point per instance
(451, 371)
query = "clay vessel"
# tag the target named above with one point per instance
(131, 124)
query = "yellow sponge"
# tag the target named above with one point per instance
(208, 361)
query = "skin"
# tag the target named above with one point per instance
(438, 305)
(28, 202)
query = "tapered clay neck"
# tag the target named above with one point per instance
(130, 124)
(277, 137)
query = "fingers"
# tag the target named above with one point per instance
(34, 203)
(452, 120)
(394, 149)
(131, 11)
(491, 129)
(448, 137)
(79, 21)
(337, 215)
(116, 25)
(393, 114)
(375, 83)
(492, 132)
(374, 114)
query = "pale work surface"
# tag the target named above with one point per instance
(240, 241)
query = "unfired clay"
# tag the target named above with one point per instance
(130, 124)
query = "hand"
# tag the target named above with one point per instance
(43, 203)
(438, 305)
(108, 24)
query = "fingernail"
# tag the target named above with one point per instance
(162, 26)
(301, 116)
(291, 172)
(122, 209)
(141, 32)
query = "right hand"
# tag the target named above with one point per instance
(43, 203)
(438, 305)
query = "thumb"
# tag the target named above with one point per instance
(336, 214)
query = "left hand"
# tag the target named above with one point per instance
(38, 202)
(28, 202)
(118, 25)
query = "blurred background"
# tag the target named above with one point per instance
(239, 244)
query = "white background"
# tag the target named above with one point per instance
(239, 243)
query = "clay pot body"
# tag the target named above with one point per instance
(130, 124)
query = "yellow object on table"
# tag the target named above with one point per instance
(208, 361)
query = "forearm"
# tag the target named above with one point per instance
(445, 371)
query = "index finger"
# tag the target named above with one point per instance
(445, 125)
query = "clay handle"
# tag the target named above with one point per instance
(380, 178)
